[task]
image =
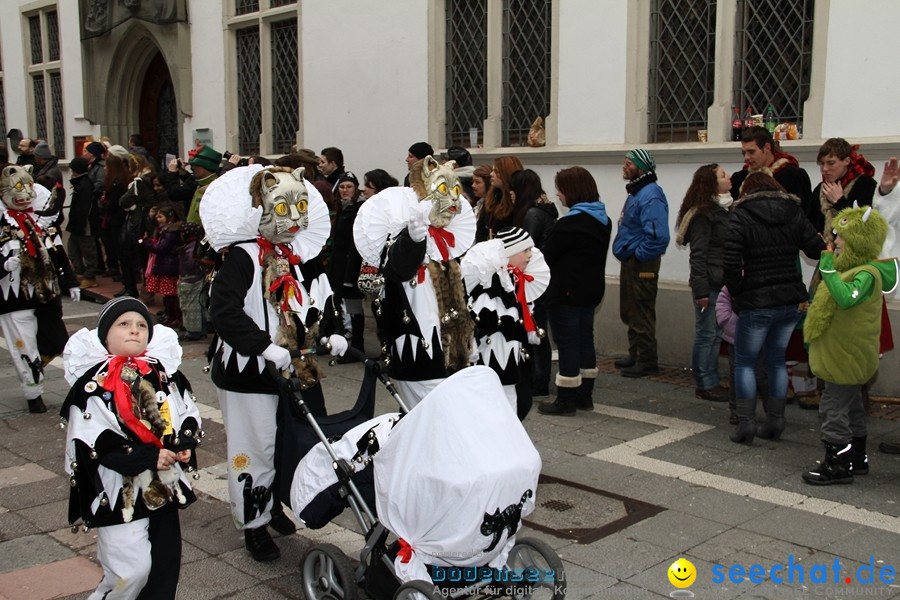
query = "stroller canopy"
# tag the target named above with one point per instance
(456, 476)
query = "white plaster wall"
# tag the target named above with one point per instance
(591, 72)
(208, 74)
(12, 28)
(861, 82)
(72, 77)
(365, 80)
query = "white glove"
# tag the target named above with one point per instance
(75, 294)
(12, 264)
(278, 355)
(418, 227)
(337, 342)
(533, 338)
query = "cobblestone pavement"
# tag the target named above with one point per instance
(646, 478)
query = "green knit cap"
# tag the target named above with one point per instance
(643, 159)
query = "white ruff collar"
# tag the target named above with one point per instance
(84, 350)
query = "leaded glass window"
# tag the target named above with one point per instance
(52, 36)
(40, 106)
(58, 141)
(773, 56)
(466, 70)
(248, 88)
(285, 98)
(37, 51)
(682, 68)
(526, 67)
(277, 3)
(242, 7)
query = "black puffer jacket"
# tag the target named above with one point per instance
(538, 222)
(705, 232)
(576, 254)
(765, 232)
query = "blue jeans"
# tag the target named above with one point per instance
(707, 340)
(766, 329)
(572, 328)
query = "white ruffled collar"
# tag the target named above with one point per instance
(84, 350)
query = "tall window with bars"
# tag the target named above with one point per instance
(682, 68)
(526, 67)
(267, 75)
(466, 70)
(46, 79)
(773, 56)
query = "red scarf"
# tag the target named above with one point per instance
(265, 247)
(858, 166)
(289, 289)
(121, 391)
(443, 239)
(521, 279)
(23, 219)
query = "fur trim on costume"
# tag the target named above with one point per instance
(767, 194)
(589, 373)
(417, 179)
(568, 382)
(458, 329)
(829, 212)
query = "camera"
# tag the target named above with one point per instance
(241, 163)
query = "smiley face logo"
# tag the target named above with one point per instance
(682, 573)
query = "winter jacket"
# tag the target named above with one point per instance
(345, 262)
(576, 253)
(705, 231)
(725, 316)
(765, 231)
(84, 216)
(861, 193)
(644, 223)
(180, 187)
(165, 247)
(193, 215)
(136, 202)
(791, 177)
(539, 221)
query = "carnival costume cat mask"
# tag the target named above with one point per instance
(17, 187)
(443, 189)
(284, 200)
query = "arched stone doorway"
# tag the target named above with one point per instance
(158, 113)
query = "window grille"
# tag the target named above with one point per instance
(37, 51)
(167, 123)
(277, 3)
(526, 67)
(466, 70)
(243, 7)
(773, 56)
(40, 106)
(52, 36)
(285, 97)
(249, 114)
(682, 68)
(56, 109)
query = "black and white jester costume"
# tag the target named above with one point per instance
(253, 308)
(34, 272)
(500, 301)
(424, 316)
(113, 468)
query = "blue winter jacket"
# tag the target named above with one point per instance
(644, 225)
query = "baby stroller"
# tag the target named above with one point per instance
(449, 483)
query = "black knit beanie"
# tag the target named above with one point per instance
(421, 149)
(115, 308)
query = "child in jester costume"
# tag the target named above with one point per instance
(842, 328)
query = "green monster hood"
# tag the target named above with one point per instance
(863, 231)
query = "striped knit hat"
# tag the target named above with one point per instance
(115, 308)
(514, 240)
(643, 159)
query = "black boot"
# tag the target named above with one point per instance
(358, 327)
(746, 429)
(36, 406)
(774, 425)
(859, 460)
(280, 522)
(565, 399)
(585, 398)
(260, 545)
(834, 469)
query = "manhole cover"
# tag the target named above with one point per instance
(582, 513)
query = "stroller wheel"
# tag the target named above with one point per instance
(327, 574)
(417, 590)
(550, 575)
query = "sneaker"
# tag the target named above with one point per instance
(716, 394)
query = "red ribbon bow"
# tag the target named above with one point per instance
(420, 276)
(289, 288)
(405, 553)
(121, 391)
(443, 239)
(265, 247)
(521, 279)
(22, 218)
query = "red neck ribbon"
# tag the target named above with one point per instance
(121, 391)
(521, 279)
(289, 287)
(265, 247)
(443, 239)
(405, 553)
(23, 219)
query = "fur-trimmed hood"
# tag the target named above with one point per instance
(685, 223)
(769, 206)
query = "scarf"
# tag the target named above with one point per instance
(265, 247)
(521, 279)
(858, 166)
(443, 239)
(28, 227)
(122, 396)
(633, 186)
(724, 200)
